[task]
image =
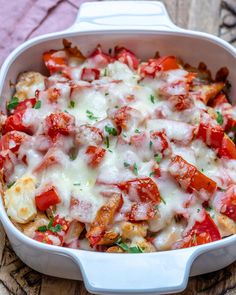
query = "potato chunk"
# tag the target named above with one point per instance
(28, 83)
(19, 200)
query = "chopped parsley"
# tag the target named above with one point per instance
(158, 158)
(219, 118)
(222, 189)
(126, 165)
(106, 94)
(77, 183)
(13, 103)
(135, 169)
(50, 227)
(195, 238)
(91, 116)
(151, 174)
(107, 142)
(150, 144)
(43, 228)
(137, 131)
(202, 170)
(38, 105)
(198, 210)
(111, 130)
(72, 104)
(11, 184)
(163, 201)
(152, 98)
(72, 156)
(209, 208)
(128, 249)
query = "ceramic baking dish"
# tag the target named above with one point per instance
(144, 27)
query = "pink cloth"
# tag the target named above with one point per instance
(23, 19)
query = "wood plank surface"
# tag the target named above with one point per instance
(213, 16)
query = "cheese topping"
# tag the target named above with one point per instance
(118, 147)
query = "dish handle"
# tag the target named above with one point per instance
(113, 273)
(117, 15)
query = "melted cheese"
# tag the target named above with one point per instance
(129, 154)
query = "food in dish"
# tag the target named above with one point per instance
(110, 153)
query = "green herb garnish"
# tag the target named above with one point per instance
(56, 228)
(158, 158)
(126, 165)
(111, 130)
(163, 201)
(72, 104)
(43, 228)
(222, 189)
(219, 118)
(77, 183)
(195, 238)
(107, 142)
(150, 144)
(9, 185)
(38, 105)
(13, 103)
(137, 131)
(91, 116)
(151, 174)
(126, 248)
(135, 169)
(152, 98)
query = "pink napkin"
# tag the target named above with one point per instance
(23, 19)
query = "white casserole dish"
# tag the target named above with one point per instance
(144, 27)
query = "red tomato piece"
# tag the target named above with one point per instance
(123, 116)
(180, 102)
(95, 155)
(208, 92)
(227, 149)
(90, 74)
(141, 211)
(144, 188)
(99, 58)
(23, 105)
(12, 141)
(164, 63)
(64, 223)
(211, 135)
(159, 141)
(43, 237)
(202, 232)
(55, 61)
(86, 134)
(59, 123)
(15, 123)
(189, 177)
(127, 57)
(228, 203)
(47, 199)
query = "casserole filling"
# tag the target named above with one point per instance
(110, 153)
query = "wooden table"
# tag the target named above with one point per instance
(213, 16)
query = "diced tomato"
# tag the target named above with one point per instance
(139, 140)
(100, 59)
(87, 134)
(12, 141)
(230, 123)
(156, 170)
(227, 149)
(180, 102)
(47, 199)
(15, 123)
(95, 155)
(141, 211)
(55, 61)
(126, 56)
(90, 74)
(59, 123)
(43, 237)
(144, 188)
(189, 177)
(211, 135)
(159, 141)
(104, 218)
(23, 105)
(52, 157)
(126, 116)
(219, 100)
(208, 92)
(64, 223)
(53, 94)
(164, 63)
(202, 232)
(228, 203)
